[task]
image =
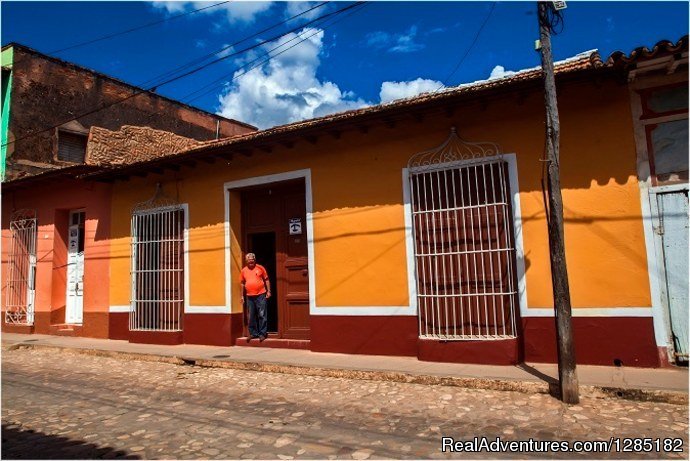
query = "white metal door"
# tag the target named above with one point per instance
(157, 269)
(20, 288)
(673, 214)
(75, 268)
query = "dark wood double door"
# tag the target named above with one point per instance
(274, 228)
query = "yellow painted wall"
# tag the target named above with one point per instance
(359, 249)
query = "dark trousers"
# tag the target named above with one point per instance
(258, 321)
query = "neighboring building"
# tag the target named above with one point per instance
(56, 227)
(411, 228)
(659, 102)
(40, 91)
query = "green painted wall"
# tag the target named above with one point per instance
(6, 60)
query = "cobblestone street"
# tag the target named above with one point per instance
(67, 405)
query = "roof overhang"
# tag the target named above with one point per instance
(361, 120)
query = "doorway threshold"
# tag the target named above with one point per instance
(274, 343)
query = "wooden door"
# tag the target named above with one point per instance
(294, 266)
(271, 209)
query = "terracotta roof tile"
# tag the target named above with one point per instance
(662, 47)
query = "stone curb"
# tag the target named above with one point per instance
(526, 387)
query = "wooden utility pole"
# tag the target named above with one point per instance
(567, 373)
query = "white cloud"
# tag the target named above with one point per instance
(236, 11)
(500, 72)
(286, 88)
(295, 8)
(394, 43)
(391, 91)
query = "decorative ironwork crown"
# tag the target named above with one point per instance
(453, 149)
(25, 214)
(159, 200)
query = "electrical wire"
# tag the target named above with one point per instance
(193, 71)
(444, 82)
(208, 88)
(201, 59)
(127, 31)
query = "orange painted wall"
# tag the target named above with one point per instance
(52, 203)
(358, 211)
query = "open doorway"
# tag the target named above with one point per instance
(274, 228)
(263, 245)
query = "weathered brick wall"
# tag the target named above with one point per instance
(132, 144)
(47, 92)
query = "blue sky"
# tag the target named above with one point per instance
(383, 51)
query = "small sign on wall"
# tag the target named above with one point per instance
(295, 226)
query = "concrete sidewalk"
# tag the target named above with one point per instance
(668, 385)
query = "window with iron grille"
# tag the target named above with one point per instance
(465, 258)
(21, 269)
(157, 269)
(464, 252)
(71, 147)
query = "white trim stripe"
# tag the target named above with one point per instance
(120, 309)
(206, 310)
(592, 312)
(531, 312)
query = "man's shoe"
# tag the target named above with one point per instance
(262, 338)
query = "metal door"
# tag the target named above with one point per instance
(75, 268)
(20, 288)
(673, 215)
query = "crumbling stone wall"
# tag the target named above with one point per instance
(132, 144)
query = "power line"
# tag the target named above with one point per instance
(227, 47)
(257, 45)
(133, 29)
(224, 79)
(141, 90)
(474, 41)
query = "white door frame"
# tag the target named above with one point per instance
(74, 302)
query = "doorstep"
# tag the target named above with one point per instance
(66, 329)
(278, 343)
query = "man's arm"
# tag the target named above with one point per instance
(267, 282)
(244, 288)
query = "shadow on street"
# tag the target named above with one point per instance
(29, 444)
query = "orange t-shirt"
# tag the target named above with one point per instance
(253, 279)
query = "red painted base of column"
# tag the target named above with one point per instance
(609, 341)
(363, 334)
(664, 361)
(497, 352)
(118, 325)
(168, 338)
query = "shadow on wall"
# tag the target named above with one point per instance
(29, 444)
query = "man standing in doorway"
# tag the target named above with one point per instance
(256, 289)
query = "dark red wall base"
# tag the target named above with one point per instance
(626, 341)
(608, 341)
(208, 329)
(12, 328)
(168, 338)
(497, 352)
(212, 329)
(363, 334)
